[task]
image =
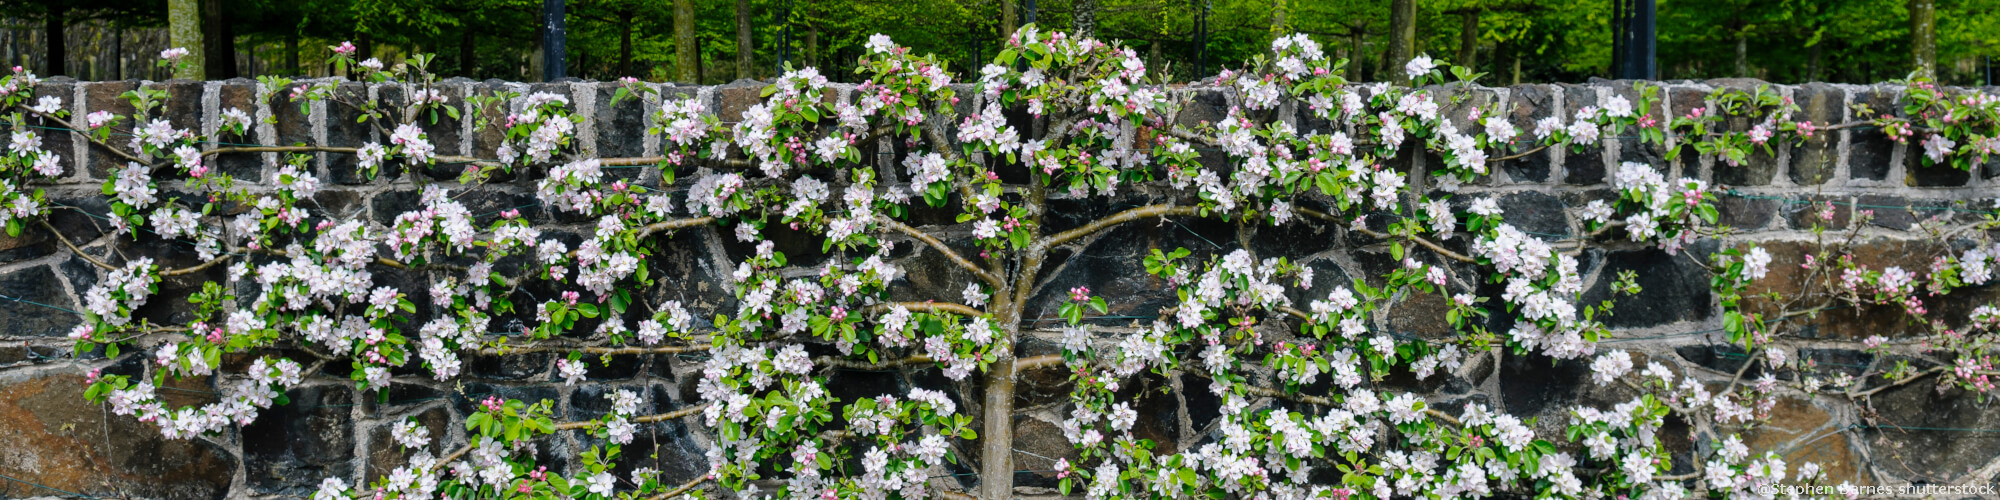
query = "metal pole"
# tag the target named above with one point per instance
(1636, 42)
(1030, 12)
(552, 40)
(1200, 39)
(1648, 40)
(1621, 30)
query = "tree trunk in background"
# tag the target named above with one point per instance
(1153, 56)
(625, 46)
(812, 44)
(468, 60)
(1356, 58)
(685, 64)
(1086, 18)
(746, 48)
(1277, 18)
(117, 52)
(58, 45)
(1813, 60)
(220, 38)
(1402, 38)
(184, 31)
(1923, 38)
(1468, 40)
(1742, 54)
(1010, 19)
(292, 54)
(1517, 65)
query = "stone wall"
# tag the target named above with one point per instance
(51, 439)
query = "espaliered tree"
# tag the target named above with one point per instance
(1303, 409)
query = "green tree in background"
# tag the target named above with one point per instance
(715, 41)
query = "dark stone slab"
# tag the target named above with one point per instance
(290, 448)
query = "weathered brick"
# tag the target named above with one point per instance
(1869, 150)
(1814, 160)
(108, 96)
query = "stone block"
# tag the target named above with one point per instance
(1919, 430)
(1529, 103)
(1676, 288)
(1919, 171)
(239, 94)
(1816, 159)
(108, 96)
(1869, 150)
(57, 439)
(291, 447)
(1583, 165)
(39, 319)
(385, 454)
(1746, 214)
(1536, 212)
(344, 130)
(621, 129)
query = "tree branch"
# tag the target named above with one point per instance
(660, 417)
(1516, 156)
(1037, 362)
(931, 307)
(1426, 242)
(891, 364)
(1898, 383)
(683, 489)
(93, 140)
(670, 225)
(600, 350)
(1115, 219)
(72, 246)
(934, 243)
(197, 268)
(462, 450)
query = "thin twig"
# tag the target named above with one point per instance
(683, 489)
(1426, 242)
(93, 140)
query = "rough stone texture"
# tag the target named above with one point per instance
(1813, 160)
(54, 438)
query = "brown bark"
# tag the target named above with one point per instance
(184, 28)
(687, 63)
(1010, 19)
(1086, 17)
(625, 45)
(1278, 18)
(1402, 38)
(746, 48)
(1923, 38)
(1468, 40)
(812, 44)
